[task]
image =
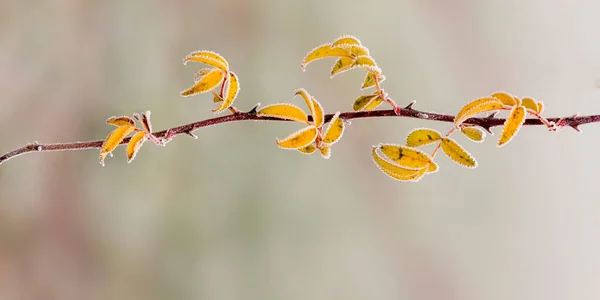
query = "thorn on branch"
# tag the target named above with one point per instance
(254, 109)
(410, 105)
(191, 134)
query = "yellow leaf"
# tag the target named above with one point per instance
(335, 130)
(232, 91)
(121, 121)
(136, 142)
(308, 149)
(455, 152)
(355, 50)
(432, 167)
(113, 140)
(373, 104)
(540, 107)
(346, 40)
(307, 99)
(395, 171)
(323, 51)
(370, 80)
(317, 113)
(325, 152)
(299, 139)
(201, 74)
(367, 63)
(284, 111)
(211, 80)
(363, 101)
(422, 136)
(343, 64)
(530, 104)
(506, 99)
(476, 107)
(209, 58)
(513, 123)
(475, 134)
(407, 157)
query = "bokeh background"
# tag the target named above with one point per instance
(231, 216)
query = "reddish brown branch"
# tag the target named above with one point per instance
(485, 122)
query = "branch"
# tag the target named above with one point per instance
(485, 122)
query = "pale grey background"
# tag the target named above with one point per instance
(231, 216)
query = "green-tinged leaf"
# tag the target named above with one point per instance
(113, 140)
(323, 51)
(367, 63)
(355, 50)
(422, 136)
(506, 98)
(395, 171)
(343, 64)
(317, 113)
(211, 80)
(476, 107)
(233, 89)
(325, 152)
(475, 134)
(121, 121)
(513, 123)
(308, 149)
(299, 139)
(407, 157)
(363, 101)
(208, 58)
(136, 142)
(373, 104)
(284, 111)
(529, 103)
(335, 130)
(455, 152)
(370, 80)
(346, 39)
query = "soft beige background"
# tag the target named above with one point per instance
(230, 216)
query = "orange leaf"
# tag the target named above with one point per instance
(136, 142)
(113, 140)
(512, 124)
(232, 91)
(211, 80)
(284, 111)
(209, 58)
(299, 139)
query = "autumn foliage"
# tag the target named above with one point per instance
(404, 162)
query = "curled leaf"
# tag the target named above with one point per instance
(540, 107)
(343, 64)
(232, 91)
(475, 134)
(299, 139)
(325, 152)
(136, 142)
(308, 149)
(284, 111)
(476, 107)
(323, 51)
(121, 121)
(407, 157)
(529, 104)
(513, 123)
(422, 136)
(506, 99)
(370, 80)
(395, 171)
(317, 113)
(367, 63)
(346, 40)
(208, 58)
(455, 152)
(201, 74)
(113, 140)
(335, 130)
(307, 99)
(354, 49)
(211, 80)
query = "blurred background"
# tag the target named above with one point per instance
(231, 216)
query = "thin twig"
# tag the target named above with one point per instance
(485, 122)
